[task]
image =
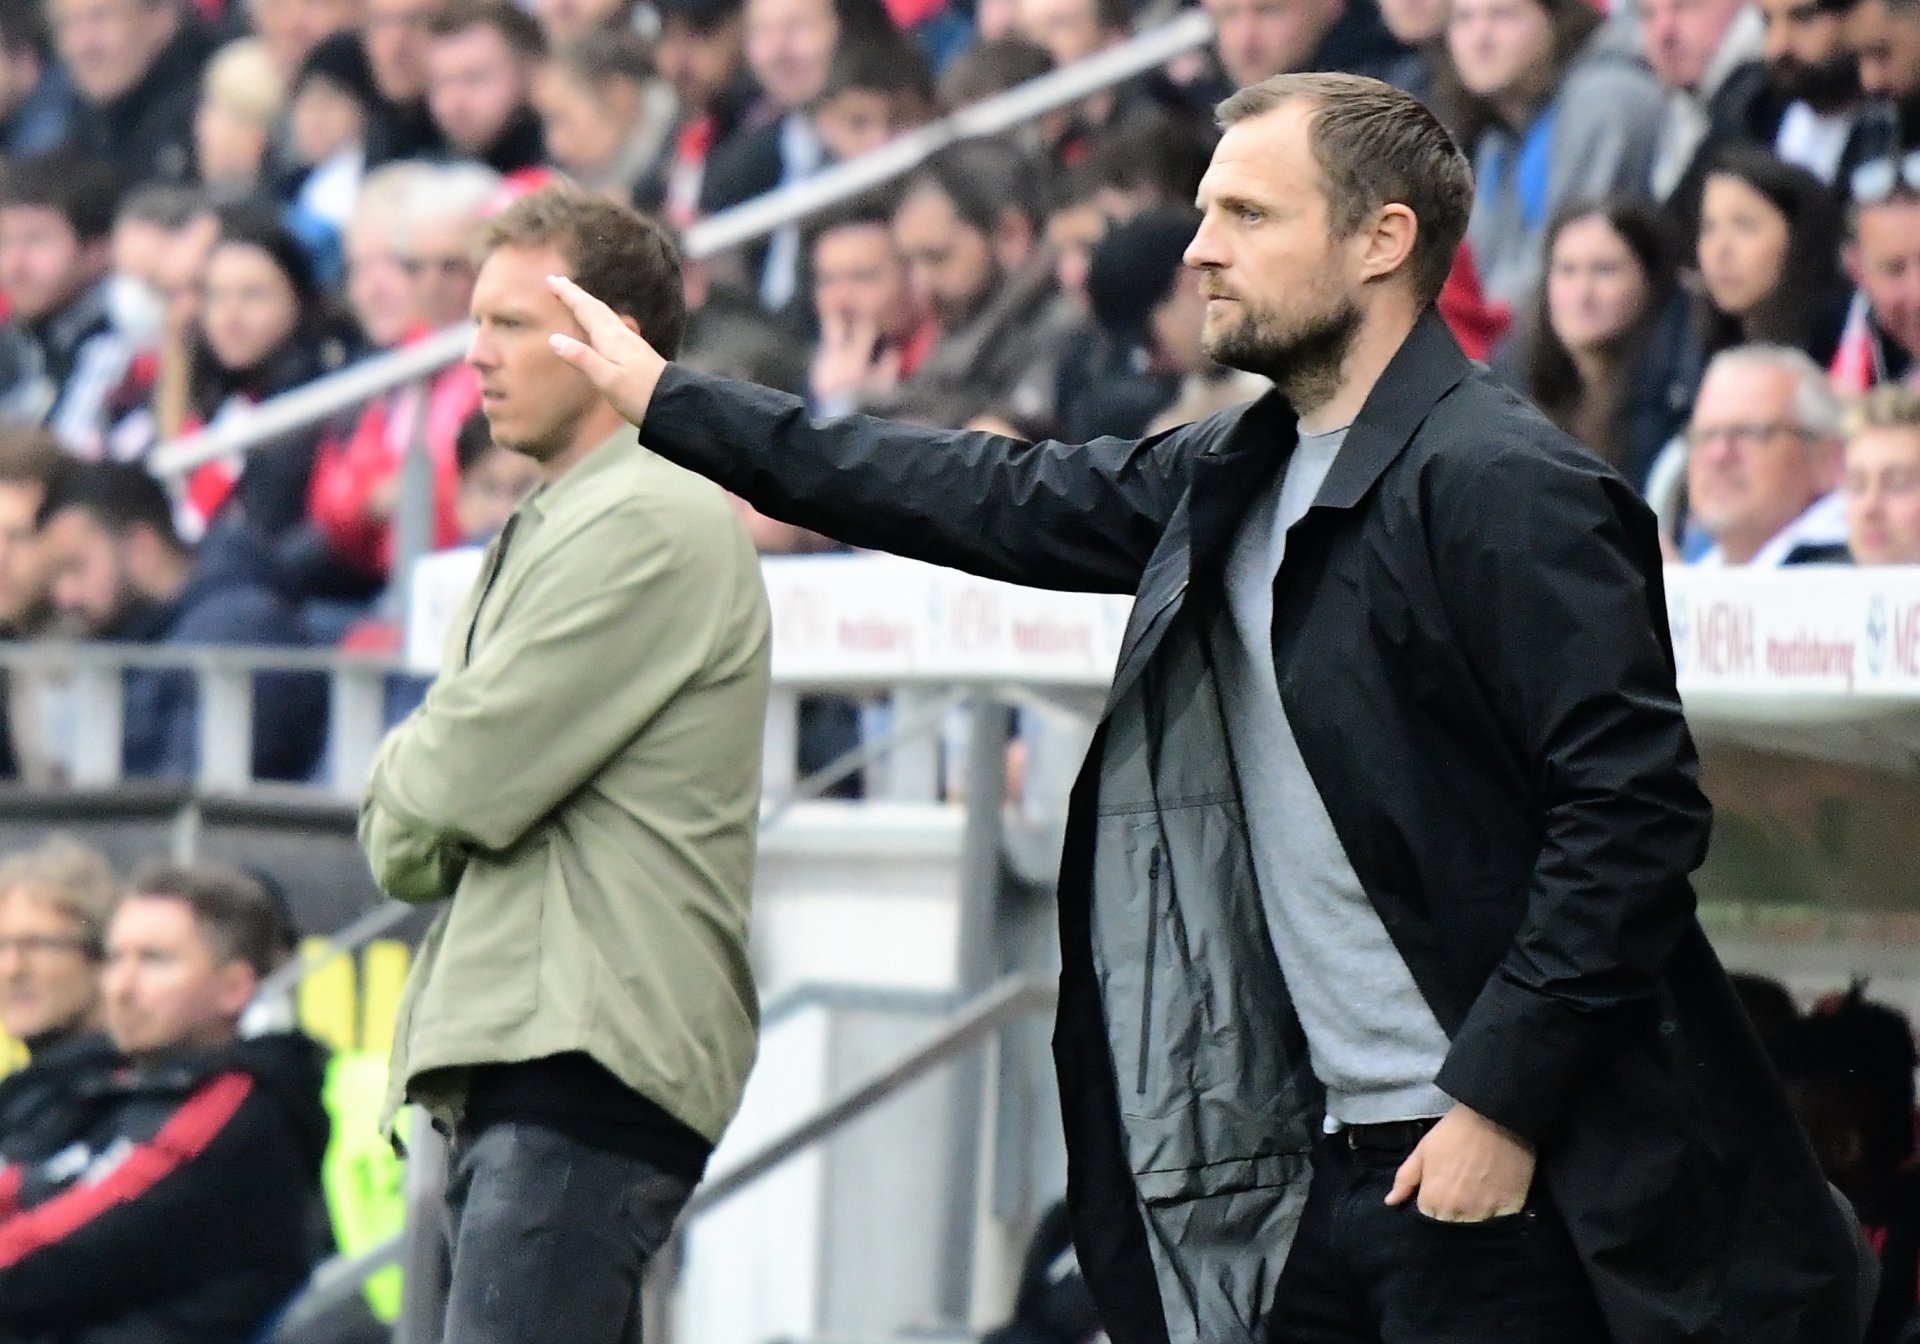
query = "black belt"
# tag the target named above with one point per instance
(1393, 1137)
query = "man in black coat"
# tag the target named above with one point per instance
(1384, 1012)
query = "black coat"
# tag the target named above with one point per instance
(147, 132)
(1471, 644)
(180, 1208)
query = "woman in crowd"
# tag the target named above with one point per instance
(1606, 354)
(1551, 113)
(265, 328)
(1769, 255)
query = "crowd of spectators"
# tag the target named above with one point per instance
(1688, 212)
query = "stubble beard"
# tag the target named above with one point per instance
(1304, 360)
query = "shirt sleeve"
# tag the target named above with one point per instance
(608, 629)
(1552, 579)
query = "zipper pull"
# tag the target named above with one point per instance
(1153, 865)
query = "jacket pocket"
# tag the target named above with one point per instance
(1146, 992)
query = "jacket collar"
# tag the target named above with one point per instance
(1228, 473)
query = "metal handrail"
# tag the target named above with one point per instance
(338, 1279)
(350, 388)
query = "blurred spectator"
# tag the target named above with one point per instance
(606, 113)
(1069, 31)
(1554, 114)
(1421, 27)
(179, 1206)
(242, 97)
(136, 68)
(790, 46)
(1769, 255)
(1149, 156)
(1849, 1069)
(1607, 351)
(1815, 73)
(1884, 36)
(700, 52)
(873, 333)
(1706, 54)
(36, 96)
(1882, 334)
(1075, 226)
(481, 58)
(291, 29)
(568, 21)
(968, 227)
(183, 265)
(1882, 481)
(395, 39)
(990, 67)
(493, 482)
(55, 900)
(143, 232)
(62, 362)
(1763, 461)
(876, 88)
(1149, 312)
(1256, 39)
(30, 461)
(265, 328)
(333, 107)
(120, 571)
(420, 224)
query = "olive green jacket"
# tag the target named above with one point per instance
(583, 782)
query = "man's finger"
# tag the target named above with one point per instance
(599, 369)
(594, 317)
(1406, 1181)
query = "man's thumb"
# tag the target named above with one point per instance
(1406, 1181)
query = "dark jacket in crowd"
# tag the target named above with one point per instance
(1359, 43)
(39, 1104)
(522, 144)
(234, 596)
(44, 119)
(71, 372)
(401, 131)
(1470, 641)
(271, 492)
(147, 132)
(179, 1209)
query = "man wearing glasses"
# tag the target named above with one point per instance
(1882, 333)
(1764, 461)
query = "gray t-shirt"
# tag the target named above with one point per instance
(1372, 1038)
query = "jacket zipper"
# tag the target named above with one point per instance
(1146, 986)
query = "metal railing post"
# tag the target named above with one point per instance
(356, 722)
(413, 520)
(98, 693)
(225, 726)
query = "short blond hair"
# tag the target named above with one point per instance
(243, 79)
(1889, 406)
(71, 878)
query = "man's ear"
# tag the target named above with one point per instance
(1386, 247)
(234, 985)
(1013, 239)
(632, 325)
(1850, 258)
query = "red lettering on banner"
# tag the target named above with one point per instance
(872, 635)
(1723, 640)
(976, 621)
(1905, 640)
(1810, 656)
(1051, 638)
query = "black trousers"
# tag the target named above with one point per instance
(1364, 1272)
(550, 1236)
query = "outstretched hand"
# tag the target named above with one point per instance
(615, 356)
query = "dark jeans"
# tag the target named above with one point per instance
(1364, 1272)
(550, 1237)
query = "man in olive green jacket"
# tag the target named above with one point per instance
(582, 785)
